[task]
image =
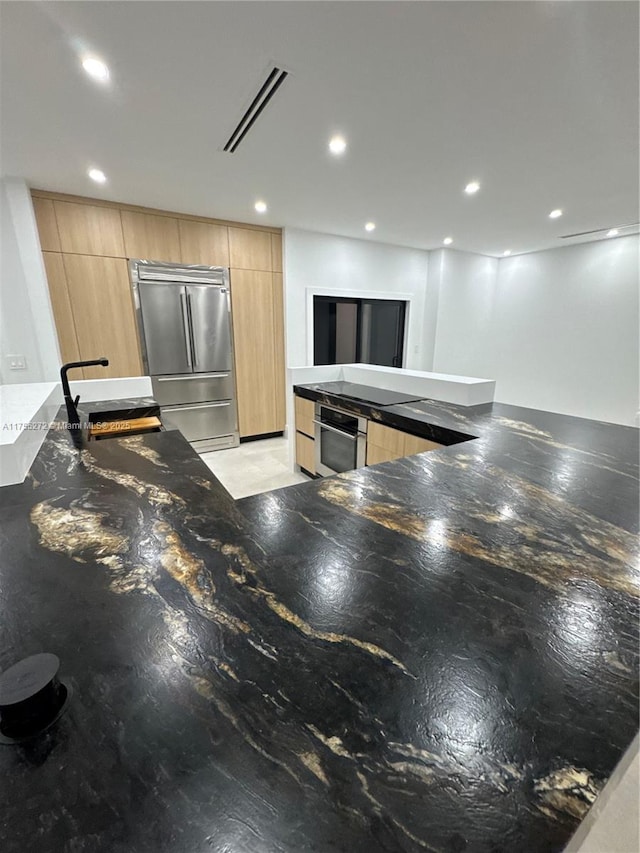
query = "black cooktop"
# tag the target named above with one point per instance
(366, 394)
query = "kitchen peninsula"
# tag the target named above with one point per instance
(437, 653)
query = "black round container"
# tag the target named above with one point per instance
(32, 698)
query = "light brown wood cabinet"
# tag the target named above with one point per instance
(47, 225)
(61, 306)
(101, 302)
(305, 413)
(249, 250)
(377, 454)
(276, 252)
(202, 243)
(385, 444)
(414, 444)
(152, 237)
(306, 452)
(93, 307)
(278, 340)
(252, 311)
(88, 229)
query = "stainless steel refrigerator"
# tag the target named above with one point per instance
(184, 319)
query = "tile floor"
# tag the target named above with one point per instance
(254, 467)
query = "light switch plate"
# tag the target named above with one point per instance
(16, 362)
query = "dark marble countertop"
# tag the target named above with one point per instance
(438, 653)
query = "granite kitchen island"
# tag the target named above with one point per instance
(438, 653)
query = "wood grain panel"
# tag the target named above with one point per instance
(253, 324)
(124, 427)
(89, 230)
(47, 225)
(377, 454)
(61, 307)
(278, 343)
(414, 444)
(276, 252)
(201, 243)
(102, 307)
(136, 208)
(249, 250)
(305, 413)
(306, 452)
(387, 437)
(153, 238)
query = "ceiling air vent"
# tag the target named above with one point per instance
(621, 229)
(270, 86)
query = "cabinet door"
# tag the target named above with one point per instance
(414, 444)
(386, 437)
(61, 307)
(253, 332)
(276, 252)
(278, 343)
(202, 243)
(151, 237)
(102, 306)
(249, 250)
(47, 226)
(165, 328)
(305, 413)
(377, 454)
(88, 229)
(306, 452)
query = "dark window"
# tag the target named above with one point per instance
(369, 331)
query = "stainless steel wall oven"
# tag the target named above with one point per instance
(340, 440)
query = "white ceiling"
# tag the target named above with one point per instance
(538, 101)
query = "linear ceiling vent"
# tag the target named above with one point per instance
(270, 86)
(609, 232)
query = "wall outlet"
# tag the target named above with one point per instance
(16, 362)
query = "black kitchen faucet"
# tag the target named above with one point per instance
(73, 418)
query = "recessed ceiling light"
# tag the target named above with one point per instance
(506, 253)
(97, 175)
(337, 145)
(95, 68)
(370, 226)
(448, 241)
(260, 206)
(612, 232)
(555, 213)
(472, 188)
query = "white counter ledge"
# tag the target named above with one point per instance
(26, 412)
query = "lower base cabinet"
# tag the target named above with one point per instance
(384, 444)
(306, 452)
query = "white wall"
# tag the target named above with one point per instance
(557, 329)
(26, 320)
(322, 263)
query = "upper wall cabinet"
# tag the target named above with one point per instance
(87, 229)
(61, 306)
(201, 243)
(47, 226)
(276, 252)
(102, 306)
(153, 238)
(249, 250)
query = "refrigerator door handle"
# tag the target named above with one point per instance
(193, 406)
(189, 376)
(193, 337)
(186, 324)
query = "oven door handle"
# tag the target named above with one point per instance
(338, 431)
